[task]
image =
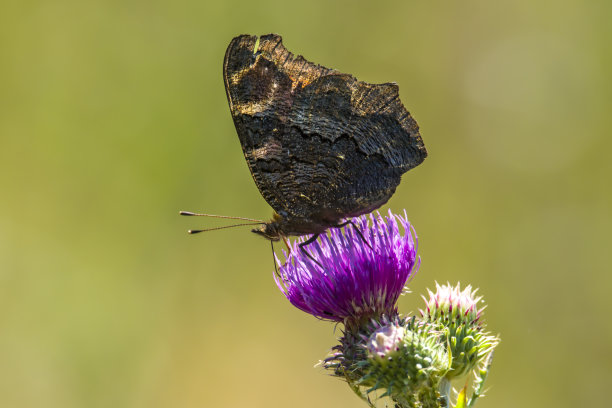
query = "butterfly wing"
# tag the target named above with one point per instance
(320, 144)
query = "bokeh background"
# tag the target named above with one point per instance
(113, 117)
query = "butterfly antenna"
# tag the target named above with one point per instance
(192, 214)
(227, 226)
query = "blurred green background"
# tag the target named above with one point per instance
(113, 118)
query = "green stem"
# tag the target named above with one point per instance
(445, 390)
(480, 379)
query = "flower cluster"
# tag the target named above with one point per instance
(355, 276)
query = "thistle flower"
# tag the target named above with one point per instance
(455, 313)
(356, 274)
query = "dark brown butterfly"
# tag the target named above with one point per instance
(321, 145)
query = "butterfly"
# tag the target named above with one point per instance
(321, 145)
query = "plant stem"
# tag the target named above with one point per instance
(445, 390)
(480, 379)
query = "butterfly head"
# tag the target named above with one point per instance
(269, 231)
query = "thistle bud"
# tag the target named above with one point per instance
(456, 315)
(451, 304)
(403, 360)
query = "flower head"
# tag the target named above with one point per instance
(357, 272)
(452, 303)
(456, 314)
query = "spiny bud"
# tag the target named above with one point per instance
(452, 304)
(402, 360)
(456, 315)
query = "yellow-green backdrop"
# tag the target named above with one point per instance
(113, 117)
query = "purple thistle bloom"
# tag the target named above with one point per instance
(351, 281)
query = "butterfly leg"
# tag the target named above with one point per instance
(286, 243)
(274, 260)
(307, 242)
(356, 230)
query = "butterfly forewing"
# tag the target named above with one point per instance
(320, 144)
